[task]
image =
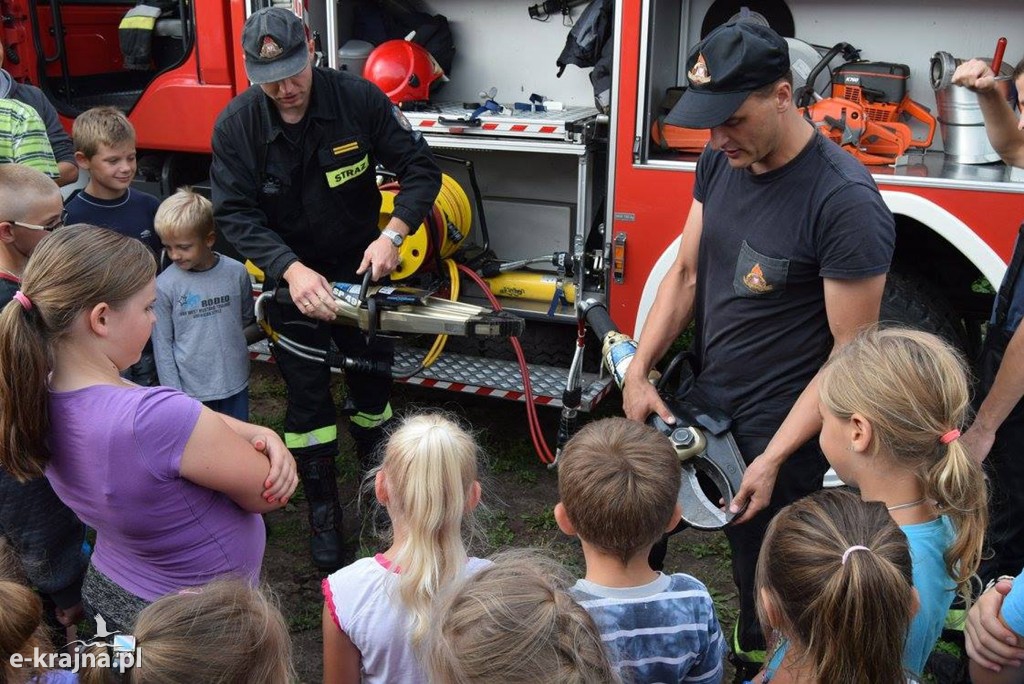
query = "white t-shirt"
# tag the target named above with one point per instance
(362, 599)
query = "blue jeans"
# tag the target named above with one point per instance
(236, 406)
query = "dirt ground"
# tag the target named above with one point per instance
(519, 493)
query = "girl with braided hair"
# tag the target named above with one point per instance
(893, 402)
(834, 589)
(514, 622)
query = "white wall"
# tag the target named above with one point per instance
(497, 44)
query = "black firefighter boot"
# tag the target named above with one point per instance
(320, 483)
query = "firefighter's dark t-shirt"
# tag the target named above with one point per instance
(768, 240)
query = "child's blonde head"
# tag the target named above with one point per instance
(225, 631)
(185, 214)
(834, 577)
(428, 481)
(514, 622)
(101, 126)
(619, 482)
(913, 389)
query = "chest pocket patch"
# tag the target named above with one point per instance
(343, 174)
(759, 276)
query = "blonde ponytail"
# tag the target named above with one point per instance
(914, 390)
(430, 466)
(957, 485)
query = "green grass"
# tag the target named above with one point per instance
(724, 607)
(497, 532)
(716, 545)
(541, 521)
(307, 616)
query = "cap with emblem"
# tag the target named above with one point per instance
(733, 61)
(274, 44)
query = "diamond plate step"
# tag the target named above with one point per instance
(487, 377)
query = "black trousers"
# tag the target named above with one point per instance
(310, 404)
(1005, 469)
(799, 476)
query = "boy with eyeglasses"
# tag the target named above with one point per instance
(47, 535)
(30, 207)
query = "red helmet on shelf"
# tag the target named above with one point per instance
(404, 70)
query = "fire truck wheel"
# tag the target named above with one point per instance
(913, 302)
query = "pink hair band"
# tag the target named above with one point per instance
(23, 299)
(950, 436)
(855, 547)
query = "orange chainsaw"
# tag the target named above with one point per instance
(868, 111)
(848, 124)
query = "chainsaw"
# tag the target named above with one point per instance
(869, 109)
(847, 124)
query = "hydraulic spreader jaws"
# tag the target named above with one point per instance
(709, 456)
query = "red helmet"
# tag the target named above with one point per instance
(404, 70)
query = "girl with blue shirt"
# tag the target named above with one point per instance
(892, 403)
(834, 589)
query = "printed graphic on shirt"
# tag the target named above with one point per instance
(192, 305)
(758, 275)
(344, 174)
(756, 282)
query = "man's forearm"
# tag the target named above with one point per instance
(1007, 388)
(802, 423)
(671, 312)
(1001, 127)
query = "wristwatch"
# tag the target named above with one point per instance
(396, 238)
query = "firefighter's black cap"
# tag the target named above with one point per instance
(733, 61)
(274, 44)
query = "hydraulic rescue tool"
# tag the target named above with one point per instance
(389, 310)
(707, 451)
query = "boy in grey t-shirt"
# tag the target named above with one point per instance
(618, 481)
(204, 309)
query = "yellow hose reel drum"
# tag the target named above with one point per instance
(452, 217)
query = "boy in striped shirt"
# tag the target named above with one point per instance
(23, 138)
(618, 481)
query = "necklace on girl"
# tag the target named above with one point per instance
(909, 504)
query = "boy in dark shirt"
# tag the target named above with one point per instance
(105, 149)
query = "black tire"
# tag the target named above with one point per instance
(913, 302)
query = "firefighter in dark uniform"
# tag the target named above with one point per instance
(294, 190)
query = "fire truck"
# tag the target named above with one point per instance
(568, 203)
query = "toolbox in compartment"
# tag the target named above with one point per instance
(571, 124)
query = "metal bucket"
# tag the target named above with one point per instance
(961, 123)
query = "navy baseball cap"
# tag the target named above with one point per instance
(733, 61)
(274, 45)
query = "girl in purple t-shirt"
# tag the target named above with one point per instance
(173, 490)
